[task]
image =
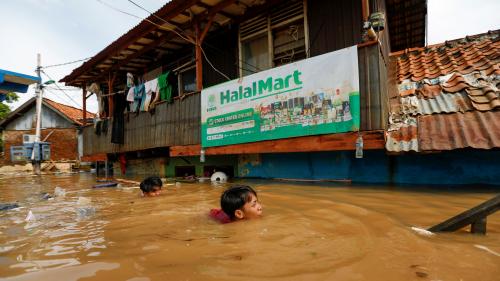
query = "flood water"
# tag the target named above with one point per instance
(308, 232)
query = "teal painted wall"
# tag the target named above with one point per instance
(457, 167)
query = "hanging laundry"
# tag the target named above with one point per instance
(118, 129)
(130, 94)
(101, 106)
(138, 97)
(104, 126)
(123, 163)
(97, 127)
(130, 80)
(165, 87)
(151, 87)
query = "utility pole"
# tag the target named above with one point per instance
(39, 95)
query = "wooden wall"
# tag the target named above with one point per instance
(177, 123)
(333, 25)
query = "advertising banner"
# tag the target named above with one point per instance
(319, 95)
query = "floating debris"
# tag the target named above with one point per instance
(422, 231)
(8, 206)
(59, 192)
(82, 201)
(487, 250)
(30, 217)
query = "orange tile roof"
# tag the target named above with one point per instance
(70, 112)
(452, 90)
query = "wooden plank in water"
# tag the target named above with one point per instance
(472, 217)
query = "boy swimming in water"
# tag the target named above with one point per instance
(151, 186)
(239, 202)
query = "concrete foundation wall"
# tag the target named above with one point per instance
(142, 167)
(445, 168)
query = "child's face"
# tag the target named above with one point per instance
(252, 209)
(156, 191)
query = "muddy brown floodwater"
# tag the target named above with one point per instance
(308, 232)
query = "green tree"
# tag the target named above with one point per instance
(4, 108)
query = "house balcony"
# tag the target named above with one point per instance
(178, 123)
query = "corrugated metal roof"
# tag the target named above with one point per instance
(459, 130)
(405, 138)
(443, 103)
(452, 89)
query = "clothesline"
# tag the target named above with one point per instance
(112, 94)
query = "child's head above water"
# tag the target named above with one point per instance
(151, 186)
(240, 202)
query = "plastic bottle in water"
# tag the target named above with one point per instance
(359, 146)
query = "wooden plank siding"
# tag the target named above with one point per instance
(177, 123)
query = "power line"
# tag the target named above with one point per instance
(210, 63)
(151, 13)
(66, 63)
(61, 89)
(144, 19)
(162, 27)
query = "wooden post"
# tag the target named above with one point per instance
(84, 103)
(200, 36)
(365, 9)
(478, 226)
(111, 80)
(199, 62)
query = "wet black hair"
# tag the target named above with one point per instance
(234, 198)
(149, 184)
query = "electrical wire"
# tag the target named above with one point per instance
(151, 13)
(66, 63)
(46, 90)
(210, 63)
(145, 19)
(64, 92)
(187, 38)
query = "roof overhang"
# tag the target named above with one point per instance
(157, 36)
(15, 82)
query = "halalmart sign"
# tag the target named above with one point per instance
(319, 95)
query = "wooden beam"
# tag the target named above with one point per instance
(94, 157)
(199, 59)
(111, 81)
(208, 7)
(167, 13)
(331, 142)
(84, 103)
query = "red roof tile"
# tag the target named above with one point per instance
(463, 56)
(453, 89)
(70, 112)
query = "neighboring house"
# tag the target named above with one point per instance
(60, 127)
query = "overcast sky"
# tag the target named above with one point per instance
(68, 30)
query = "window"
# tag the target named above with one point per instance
(274, 39)
(255, 55)
(187, 81)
